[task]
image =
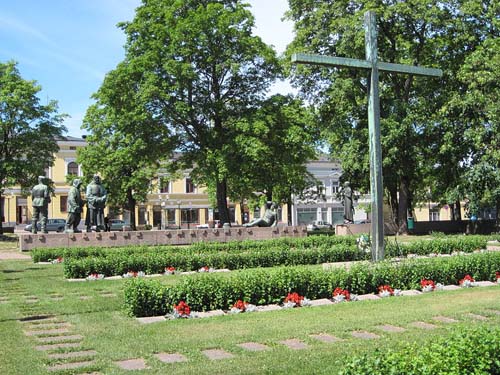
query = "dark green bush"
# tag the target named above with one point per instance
(473, 351)
(155, 262)
(264, 286)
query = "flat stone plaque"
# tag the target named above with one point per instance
(69, 366)
(171, 357)
(54, 339)
(324, 337)
(444, 319)
(83, 353)
(365, 297)
(268, 308)
(390, 328)
(410, 292)
(485, 283)
(321, 302)
(364, 335)
(57, 346)
(423, 325)
(216, 354)
(132, 364)
(253, 346)
(151, 319)
(294, 344)
(210, 314)
(451, 287)
(477, 317)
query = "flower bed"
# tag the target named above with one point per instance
(270, 286)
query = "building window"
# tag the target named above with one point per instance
(63, 201)
(189, 215)
(434, 214)
(164, 186)
(335, 186)
(189, 186)
(72, 168)
(72, 147)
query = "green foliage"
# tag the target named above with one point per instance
(471, 351)
(48, 254)
(202, 71)
(431, 129)
(155, 262)
(28, 130)
(264, 286)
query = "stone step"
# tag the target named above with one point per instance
(83, 353)
(55, 339)
(70, 366)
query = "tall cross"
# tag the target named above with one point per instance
(371, 63)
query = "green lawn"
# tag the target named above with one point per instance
(115, 336)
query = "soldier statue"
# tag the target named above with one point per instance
(75, 207)
(96, 201)
(40, 196)
(268, 220)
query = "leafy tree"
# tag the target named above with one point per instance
(271, 150)
(203, 69)
(125, 141)
(419, 136)
(28, 130)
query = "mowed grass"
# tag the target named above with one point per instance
(99, 318)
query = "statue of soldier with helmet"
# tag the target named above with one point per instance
(40, 197)
(75, 207)
(96, 202)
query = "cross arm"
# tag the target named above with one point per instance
(343, 62)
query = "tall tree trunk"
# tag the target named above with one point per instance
(404, 190)
(131, 207)
(458, 211)
(221, 195)
(2, 214)
(393, 202)
(498, 215)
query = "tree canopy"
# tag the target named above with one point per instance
(28, 130)
(423, 136)
(202, 71)
(125, 142)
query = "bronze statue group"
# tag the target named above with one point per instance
(96, 196)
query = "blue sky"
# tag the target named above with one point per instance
(68, 46)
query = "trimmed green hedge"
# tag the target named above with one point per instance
(473, 351)
(445, 245)
(155, 262)
(265, 286)
(44, 255)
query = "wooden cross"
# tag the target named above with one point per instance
(371, 63)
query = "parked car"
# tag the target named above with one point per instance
(116, 224)
(53, 225)
(319, 224)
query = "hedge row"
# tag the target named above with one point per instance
(474, 351)
(445, 245)
(44, 255)
(265, 286)
(152, 263)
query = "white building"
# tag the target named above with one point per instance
(326, 204)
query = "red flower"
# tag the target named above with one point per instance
(386, 288)
(205, 268)
(295, 298)
(466, 278)
(170, 269)
(132, 273)
(497, 274)
(343, 292)
(182, 309)
(426, 283)
(240, 305)
(59, 259)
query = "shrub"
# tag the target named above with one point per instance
(474, 351)
(264, 286)
(152, 263)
